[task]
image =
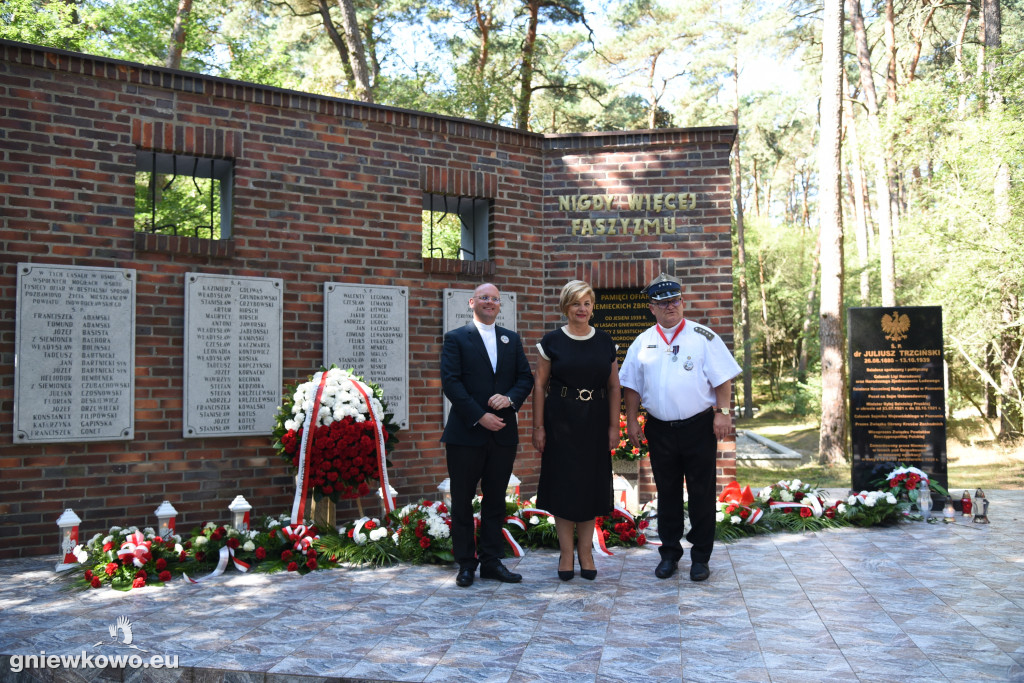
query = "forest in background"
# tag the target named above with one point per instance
(920, 201)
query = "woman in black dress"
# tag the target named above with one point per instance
(575, 426)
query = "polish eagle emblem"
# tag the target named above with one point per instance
(895, 326)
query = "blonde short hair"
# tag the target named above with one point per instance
(571, 292)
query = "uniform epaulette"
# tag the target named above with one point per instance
(704, 332)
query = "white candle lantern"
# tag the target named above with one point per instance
(165, 515)
(240, 513)
(68, 523)
(445, 488)
(513, 487)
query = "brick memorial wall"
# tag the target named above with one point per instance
(325, 192)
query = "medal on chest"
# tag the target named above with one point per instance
(688, 365)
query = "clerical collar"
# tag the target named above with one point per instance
(481, 326)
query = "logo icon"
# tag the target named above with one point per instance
(123, 627)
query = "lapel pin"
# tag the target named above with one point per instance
(504, 339)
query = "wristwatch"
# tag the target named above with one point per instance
(723, 411)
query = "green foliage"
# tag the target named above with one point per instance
(442, 235)
(54, 23)
(184, 205)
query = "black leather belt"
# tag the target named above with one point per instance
(681, 423)
(575, 393)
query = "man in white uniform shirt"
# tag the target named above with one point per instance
(682, 374)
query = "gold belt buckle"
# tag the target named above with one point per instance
(580, 394)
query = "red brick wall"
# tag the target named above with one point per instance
(324, 190)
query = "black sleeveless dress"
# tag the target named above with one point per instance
(576, 466)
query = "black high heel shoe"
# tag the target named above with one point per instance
(567, 574)
(588, 574)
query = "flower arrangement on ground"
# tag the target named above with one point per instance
(622, 528)
(127, 558)
(424, 533)
(343, 458)
(906, 481)
(873, 508)
(626, 450)
(539, 526)
(367, 541)
(271, 546)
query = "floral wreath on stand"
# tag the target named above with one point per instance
(345, 458)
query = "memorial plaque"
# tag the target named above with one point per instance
(232, 354)
(897, 397)
(74, 352)
(456, 313)
(623, 314)
(366, 328)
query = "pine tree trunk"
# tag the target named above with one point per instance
(356, 51)
(741, 256)
(832, 442)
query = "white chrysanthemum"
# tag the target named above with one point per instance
(534, 520)
(378, 533)
(735, 519)
(890, 499)
(114, 529)
(178, 548)
(271, 523)
(149, 531)
(795, 484)
(80, 554)
(108, 539)
(841, 508)
(200, 541)
(765, 494)
(786, 495)
(719, 517)
(210, 526)
(131, 530)
(290, 425)
(248, 546)
(96, 538)
(852, 500)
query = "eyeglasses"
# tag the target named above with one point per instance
(492, 299)
(671, 303)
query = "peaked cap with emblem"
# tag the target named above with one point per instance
(663, 287)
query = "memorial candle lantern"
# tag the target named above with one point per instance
(949, 512)
(165, 515)
(512, 490)
(965, 504)
(240, 513)
(68, 523)
(980, 507)
(924, 499)
(445, 489)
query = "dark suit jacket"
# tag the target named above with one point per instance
(468, 381)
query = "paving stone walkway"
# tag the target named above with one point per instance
(914, 602)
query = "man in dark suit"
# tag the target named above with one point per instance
(485, 375)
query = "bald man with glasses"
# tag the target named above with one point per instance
(681, 373)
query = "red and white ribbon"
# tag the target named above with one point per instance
(536, 511)
(378, 421)
(812, 503)
(517, 550)
(135, 549)
(226, 555)
(305, 451)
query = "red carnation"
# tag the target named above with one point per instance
(108, 546)
(200, 555)
(805, 512)
(95, 583)
(261, 553)
(311, 564)
(88, 575)
(161, 564)
(370, 525)
(328, 489)
(641, 539)
(164, 576)
(233, 543)
(286, 555)
(110, 568)
(139, 582)
(292, 566)
(425, 542)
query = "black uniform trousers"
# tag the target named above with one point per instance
(489, 465)
(685, 450)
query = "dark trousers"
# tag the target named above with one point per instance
(491, 467)
(686, 451)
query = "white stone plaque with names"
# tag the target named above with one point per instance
(233, 333)
(366, 329)
(74, 349)
(456, 313)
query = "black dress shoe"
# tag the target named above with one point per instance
(499, 573)
(464, 577)
(699, 571)
(666, 568)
